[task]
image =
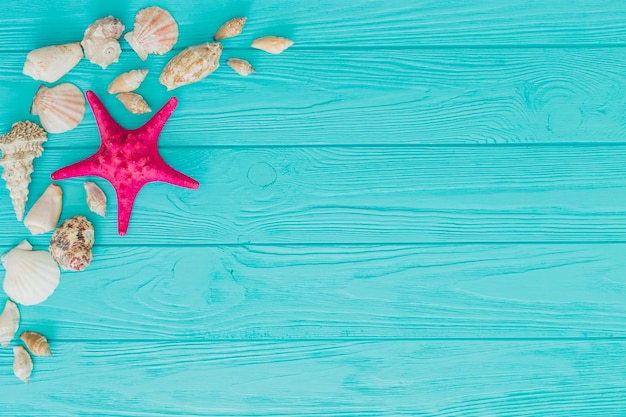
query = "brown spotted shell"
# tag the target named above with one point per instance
(71, 244)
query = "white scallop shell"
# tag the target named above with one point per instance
(49, 64)
(96, 199)
(272, 44)
(60, 108)
(155, 32)
(22, 364)
(134, 103)
(127, 81)
(100, 41)
(44, 214)
(31, 276)
(9, 322)
(192, 64)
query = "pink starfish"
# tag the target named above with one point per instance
(128, 159)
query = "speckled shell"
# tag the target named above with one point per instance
(134, 103)
(49, 64)
(22, 364)
(100, 41)
(71, 244)
(127, 81)
(192, 64)
(36, 343)
(155, 32)
(272, 44)
(242, 66)
(230, 29)
(60, 108)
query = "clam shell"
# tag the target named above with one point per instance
(71, 244)
(60, 108)
(49, 64)
(134, 103)
(9, 322)
(44, 214)
(230, 29)
(96, 199)
(242, 66)
(272, 44)
(192, 64)
(31, 275)
(100, 41)
(127, 81)
(22, 364)
(155, 32)
(36, 343)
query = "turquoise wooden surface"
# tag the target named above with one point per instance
(418, 209)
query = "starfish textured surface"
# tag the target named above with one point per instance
(128, 159)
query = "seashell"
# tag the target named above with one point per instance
(31, 275)
(60, 108)
(44, 214)
(22, 364)
(100, 41)
(192, 64)
(19, 147)
(272, 44)
(49, 64)
(155, 32)
(242, 66)
(9, 322)
(71, 244)
(36, 343)
(134, 103)
(127, 81)
(230, 29)
(96, 199)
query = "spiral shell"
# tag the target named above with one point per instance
(127, 81)
(242, 66)
(100, 41)
(22, 364)
(71, 244)
(36, 343)
(272, 44)
(230, 29)
(51, 63)
(155, 32)
(134, 103)
(60, 108)
(192, 64)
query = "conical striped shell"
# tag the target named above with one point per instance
(127, 81)
(242, 66)
(191, 64)
(230, 29)
(134, 103)
(52, 62)
(36, 343)
(272, 44)
(155, 32)
(60, 108)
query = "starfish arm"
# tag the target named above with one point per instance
(103, 118)
(125, 201)
(154, 126)
(166, 173)
(82, 168)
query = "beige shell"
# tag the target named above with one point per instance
(71, 244)
(242, 66)
(44, 214)
(272, 44)
(60, 108)
(96, 199)
(22, 364)
(127, 81)
(49, 64)
(134, 103)
(19, 147)
(192, 64)
(230, 29)
(100, 41)
(9, 322)
(36, 343)
(155, 32)
(31, 275)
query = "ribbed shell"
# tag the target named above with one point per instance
(127, 81)
(51, 63)
(36, 343)
(155, 32)
(71, 244)
(60, 108)
(230, 29)
(192, 64)
(100, 41)
(134, 103)
(9, 322)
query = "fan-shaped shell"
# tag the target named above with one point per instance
(230, 29)
(31, 275)
(96, 199)
(242, 66)
(71, 244)
(100, 41)
(49, 64)
(36, 343)
(127, 81)
(44, 214)
(134, 103)
(9, 322)
(22, 364)
(60, 108)
(155, 32)
(272, 44)
(191, 64)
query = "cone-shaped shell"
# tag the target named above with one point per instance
(71, 244)
(155, 32)
(229, 29)
(272, 44)
(36, 343)
(9, 322)
(96, 199)
(134, 103)
(127, 81)
(44, 214)
(100, 41)
(60, 108)
(49, 64)
(31, 275)
(19, 147)
(242, 66)
(191, 64)
(22, 364)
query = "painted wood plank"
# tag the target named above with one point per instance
(435, 378)
(339, 292)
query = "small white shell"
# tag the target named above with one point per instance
(22, 364)
(49, 64)
(9, 322)
(60, 108)
(96, 199)
(229, 29)
(44, 214)
(134, 103)
(242, 66)
(192, 64)
(100, 41)
(155, 32)
(272, 44)
(36, 343)
(127, 81)
(31, 276)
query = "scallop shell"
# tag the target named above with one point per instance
(31, 275)
(155, 32)
(60, 108)
(19, 147)
(44, 214)
(242, 66)
(127, 81)
(96, 199)
(71, 244)
(272, 44)
(134, 103)
(36, 343)
(100, 41)
(230, 29)
(49, 64)
(9, 322)
(22, 364)
(192, 64)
